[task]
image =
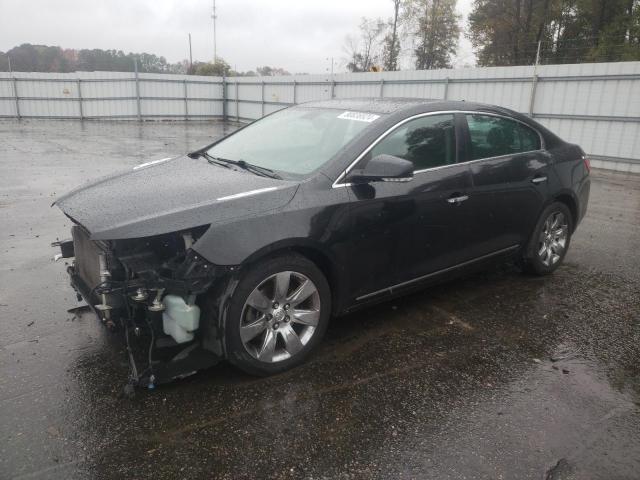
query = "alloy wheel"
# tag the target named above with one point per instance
(280, 316)
(553, 239)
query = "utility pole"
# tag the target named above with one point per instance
(537, 56)
(331, 65)
(534, 81)
(190, 55)
(15, 88)
(214, 16)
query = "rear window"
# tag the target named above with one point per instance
(495, 136)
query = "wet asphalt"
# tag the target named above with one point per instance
(498, 375)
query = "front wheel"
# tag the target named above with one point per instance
(277, 315)
(550, 240)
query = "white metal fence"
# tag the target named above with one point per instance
(594, 105)
(89, 95)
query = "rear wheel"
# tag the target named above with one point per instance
(550, 240)
(277, 315)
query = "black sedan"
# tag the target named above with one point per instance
(244, 249)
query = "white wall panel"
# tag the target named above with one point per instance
(249, 110)
(6, 88)
(157, 89)
(594, 105)
(45, 108)
(169, 108)
(205, 108)
(7, 108)
(109, 108)
(308, 93)
(200, 90)
(279, 93)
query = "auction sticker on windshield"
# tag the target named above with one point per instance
(359, 116)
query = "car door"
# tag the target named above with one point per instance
(402, 230)
(509, 171)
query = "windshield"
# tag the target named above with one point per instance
(296, 140)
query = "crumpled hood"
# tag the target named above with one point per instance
(170, 195)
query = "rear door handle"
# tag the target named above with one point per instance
(538, 180)
(457, 199)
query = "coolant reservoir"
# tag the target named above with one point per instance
(180, 319)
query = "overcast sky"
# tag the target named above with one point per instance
(297, 35)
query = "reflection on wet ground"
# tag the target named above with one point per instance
(498, 375)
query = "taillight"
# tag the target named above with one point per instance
(587, 164)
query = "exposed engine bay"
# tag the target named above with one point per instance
(150, 290)
(161, 273)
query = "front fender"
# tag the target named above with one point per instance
(323, 228)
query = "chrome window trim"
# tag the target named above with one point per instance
(337, 184)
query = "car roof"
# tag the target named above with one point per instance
(394, 109)
(371, 105)
(400, 104)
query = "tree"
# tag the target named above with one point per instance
(391, 49)
(267, 71)
(38, 58)
(436, 29)
(619, 40)
(248, 73)
(600, 30)
(179, 68)
(148, 62)
(43, 58)
(507, 32)
(218, 69)
(364, 51)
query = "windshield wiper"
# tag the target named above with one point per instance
(257, 169)
(250, 167)
(225, 162)
(210, 159)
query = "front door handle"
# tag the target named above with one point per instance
(458, 199)
(538, 180)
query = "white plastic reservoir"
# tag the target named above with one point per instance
(180, 319)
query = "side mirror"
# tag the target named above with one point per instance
(384, 168)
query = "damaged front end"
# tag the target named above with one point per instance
(151, 290)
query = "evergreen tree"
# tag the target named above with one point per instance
(436, 27)
(507, 32)
(391, 48)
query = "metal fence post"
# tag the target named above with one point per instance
(237, 103)
(135, 63)
(532, 99)
(224, 98)
(186, 101)
(15, 95)
(262, 99)
(382, 88)
(446, 88)
(80, 99)
(294, 91)
(333, 86)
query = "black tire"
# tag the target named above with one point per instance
(533, 261)
(253, 277)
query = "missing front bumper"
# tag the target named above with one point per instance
(153, 359)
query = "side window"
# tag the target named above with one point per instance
(427, 142)
(494, 136)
